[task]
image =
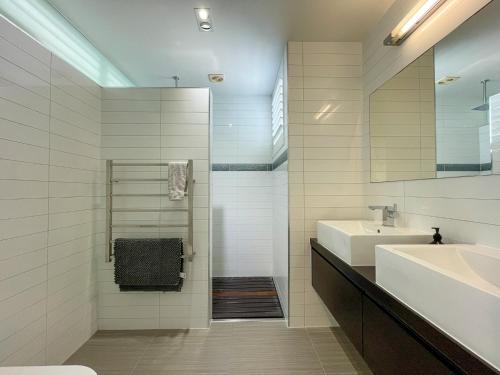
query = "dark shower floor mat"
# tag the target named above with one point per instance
(245, 298)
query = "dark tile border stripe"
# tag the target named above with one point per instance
(463, 167)
(250, 167)
(280, 159)
(240, 167)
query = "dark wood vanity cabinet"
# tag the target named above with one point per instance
(342, 298)
(389, 349)
(392, 338)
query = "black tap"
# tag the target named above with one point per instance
(436, 238)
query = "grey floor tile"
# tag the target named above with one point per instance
(236, 348)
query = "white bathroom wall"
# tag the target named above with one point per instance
(462, 135)
(325, 166)
(51, 200)
(241, 129)
(465, 208)
(457, 130)
(76, 210)
(158, 125)
(242, 186)
(242, 228)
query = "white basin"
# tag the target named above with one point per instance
(455, 287)
(354, 241)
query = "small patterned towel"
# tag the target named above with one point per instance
(177, 177)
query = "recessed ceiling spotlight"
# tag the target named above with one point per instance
(203, 19)
(203, 14)
(205, 26)
(216, 77)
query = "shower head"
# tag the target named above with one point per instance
(485, 106)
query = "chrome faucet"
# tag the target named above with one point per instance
(388, 214)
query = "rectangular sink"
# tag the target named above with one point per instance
(354, 240)
(455, 287)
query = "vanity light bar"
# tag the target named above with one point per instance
(423, 10)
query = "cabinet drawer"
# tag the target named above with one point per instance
(389, 349)
(341, 297)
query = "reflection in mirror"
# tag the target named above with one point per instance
(403, 125)
(440, 116)
(467, 77)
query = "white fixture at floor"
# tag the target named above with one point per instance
(354, 241)
(455, 287)
(47, 370)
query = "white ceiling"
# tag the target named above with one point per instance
(152, 40)
(471, 53)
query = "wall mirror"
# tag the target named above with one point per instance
(440, 116)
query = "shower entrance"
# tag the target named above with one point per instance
(245, 298)
(249, 207)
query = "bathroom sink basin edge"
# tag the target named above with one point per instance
(354, 241)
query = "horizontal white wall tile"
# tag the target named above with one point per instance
(325, 167)
(152, 125)
(242, 129)
(49, 115)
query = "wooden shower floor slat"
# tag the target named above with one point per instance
(245, 298)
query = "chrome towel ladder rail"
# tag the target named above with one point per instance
(110, 181)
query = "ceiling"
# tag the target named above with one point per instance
(153, 40)
(468, 53)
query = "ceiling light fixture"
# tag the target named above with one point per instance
(203, 14)
(423, 10)
(205, 26)
(203, 19)
(216, 77)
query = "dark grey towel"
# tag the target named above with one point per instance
(146, 264)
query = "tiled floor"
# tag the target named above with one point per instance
(247, 348)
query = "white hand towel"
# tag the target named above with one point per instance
(177, 178)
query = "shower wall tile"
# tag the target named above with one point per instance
(242, 129)
(242, 224)
(242, 200)
(51, 196)
(157, 125)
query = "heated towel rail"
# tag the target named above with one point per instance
(111, 181)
